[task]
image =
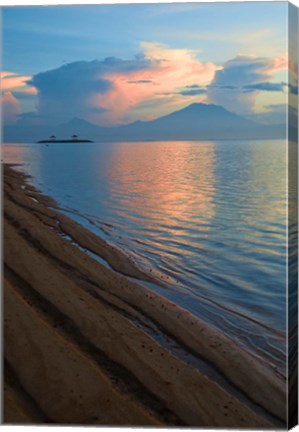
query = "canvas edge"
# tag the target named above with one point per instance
(292, 222)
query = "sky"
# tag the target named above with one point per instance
(115, 64)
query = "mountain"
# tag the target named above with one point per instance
(195, 122)
(77, 126)
(29, 133)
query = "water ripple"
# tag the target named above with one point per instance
(209, 215)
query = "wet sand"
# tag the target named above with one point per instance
(84, 344)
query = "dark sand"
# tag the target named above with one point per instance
(83, 344)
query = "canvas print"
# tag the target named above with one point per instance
(149, 181)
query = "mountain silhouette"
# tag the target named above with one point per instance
(197, 121)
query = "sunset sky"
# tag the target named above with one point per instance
(115, 64)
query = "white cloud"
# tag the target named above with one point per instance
(230, 85)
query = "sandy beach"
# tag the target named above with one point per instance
(87, 343)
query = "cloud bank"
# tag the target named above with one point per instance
(114, 90)
(234, 87)
(265, 86)
(157, 81)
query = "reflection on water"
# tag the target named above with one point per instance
(165, 183)
(209, 215)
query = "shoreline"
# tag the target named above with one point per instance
(76, 313)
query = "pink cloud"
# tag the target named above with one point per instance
(275, 65)
(11, 81)
(10, 107)
(168, 70)
(14, 89)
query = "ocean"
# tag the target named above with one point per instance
(208, 217)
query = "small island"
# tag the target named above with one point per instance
(73, 139)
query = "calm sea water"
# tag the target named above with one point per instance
(209, 215)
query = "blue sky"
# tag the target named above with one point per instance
(41, 38)
(214, 40)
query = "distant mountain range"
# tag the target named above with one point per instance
(195, 122)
